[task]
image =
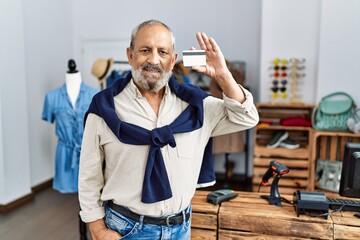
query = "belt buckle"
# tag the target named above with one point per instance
(168, 220)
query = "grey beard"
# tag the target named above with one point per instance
(152, 85)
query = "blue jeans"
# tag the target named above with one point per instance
(130, 229)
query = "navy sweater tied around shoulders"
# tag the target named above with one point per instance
(156, 185)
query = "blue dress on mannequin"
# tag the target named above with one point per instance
(69, 127)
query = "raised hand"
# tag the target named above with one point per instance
(217, 69)
(215, 61)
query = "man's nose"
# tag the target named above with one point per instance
(154, 58)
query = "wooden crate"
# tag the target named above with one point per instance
(328, 145)
(297, 160)
(204, 218)
(275, 112)
(346, 226)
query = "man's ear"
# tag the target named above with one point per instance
(174, 58)
(129, 55)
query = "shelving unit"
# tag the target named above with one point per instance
(297, 160)
(330, 146)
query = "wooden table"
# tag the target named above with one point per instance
(204, 218)
(249, 216)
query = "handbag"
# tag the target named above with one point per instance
(333, 111)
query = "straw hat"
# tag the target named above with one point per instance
(101, 67)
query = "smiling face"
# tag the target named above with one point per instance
(152, 57)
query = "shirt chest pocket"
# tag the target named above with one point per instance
(187, 144)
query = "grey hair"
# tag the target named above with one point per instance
(149, 23)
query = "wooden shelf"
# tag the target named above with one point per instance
(328, 145)
(278, 127)
(297, 160)
(299, 153)
(279, 106)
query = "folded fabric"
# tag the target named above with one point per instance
(295, 121)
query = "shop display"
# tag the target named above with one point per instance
(66, 106)
(289, 145)
(285, 76)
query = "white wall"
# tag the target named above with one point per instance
(339, 49)
(326, 33)
(290, 29)
(14, 129)
(2, 161)
(36, 43)
(48, 47)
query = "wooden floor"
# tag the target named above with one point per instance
(51, 215)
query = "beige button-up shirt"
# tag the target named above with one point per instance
(112, 170)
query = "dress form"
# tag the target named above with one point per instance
(73, 82)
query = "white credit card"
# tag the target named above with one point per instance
(194, 58)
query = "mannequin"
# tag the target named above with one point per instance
(73, 82)
(69, 118)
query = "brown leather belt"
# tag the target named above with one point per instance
(169, 220)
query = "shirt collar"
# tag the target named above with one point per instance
(135, 93)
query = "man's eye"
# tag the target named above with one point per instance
(163, 53)
(144, 50)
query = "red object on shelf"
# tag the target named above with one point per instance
(295, 121)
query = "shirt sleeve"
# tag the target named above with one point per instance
(229, 115)
(91, 178)
(48, 110)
